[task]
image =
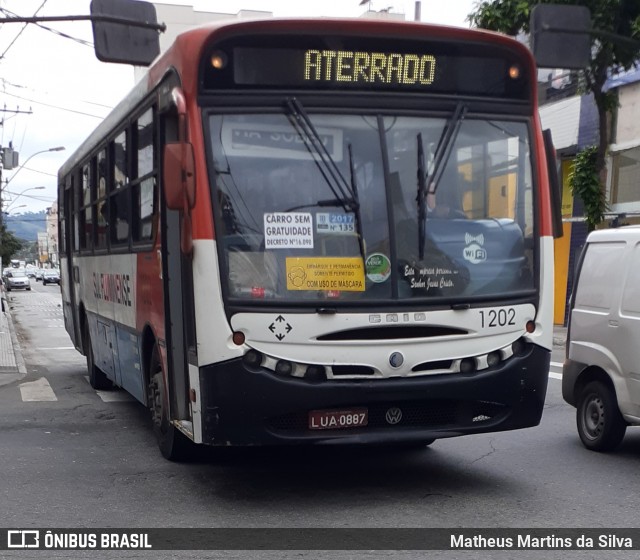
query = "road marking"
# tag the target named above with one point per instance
(115, 395)
(38, 390)
(554, 374)
(59, 348)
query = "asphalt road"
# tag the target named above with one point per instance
(78, 458)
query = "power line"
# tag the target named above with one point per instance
(39, 198)
(54, 31)
(53, 106)
(33, 90)
(20, 32)
(41, 172)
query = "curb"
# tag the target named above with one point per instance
(17, 350)
(12, 376)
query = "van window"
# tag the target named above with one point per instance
(599, 261)
(631, 294)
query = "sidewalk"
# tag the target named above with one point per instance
(12, 366)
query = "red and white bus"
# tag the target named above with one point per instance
(317, 231)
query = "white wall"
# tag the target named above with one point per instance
(628, 125)
(563, 118)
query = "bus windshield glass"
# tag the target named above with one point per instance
(333, 209)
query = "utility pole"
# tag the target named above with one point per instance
(9, 158)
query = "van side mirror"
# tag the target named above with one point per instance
(179, 175)
(561, 36)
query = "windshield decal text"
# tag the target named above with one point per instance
(288, 230)
(326, 274)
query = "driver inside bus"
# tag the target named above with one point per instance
(446, 202)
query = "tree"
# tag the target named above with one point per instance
(613, 48)
(9, 245)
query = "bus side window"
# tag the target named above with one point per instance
(119, 201)
(102, 215)
(119, 212)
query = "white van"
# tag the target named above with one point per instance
(601, 373)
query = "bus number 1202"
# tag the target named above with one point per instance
(498, 317)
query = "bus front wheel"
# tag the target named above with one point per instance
(173, 444)
(97, 378)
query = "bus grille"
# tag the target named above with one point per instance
(414, 414)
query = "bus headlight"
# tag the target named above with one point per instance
(252, 358)
(493, 359)
(468, 365)
(284, 367)
(315, 373)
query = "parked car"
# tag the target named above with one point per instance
(600, 376)
(50, 276)
(17, 280)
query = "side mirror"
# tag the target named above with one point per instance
(179, 175)
(561, 36)
(125, 31)
(554, 185)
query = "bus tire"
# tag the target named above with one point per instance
(601, 427)
(97, 378)
(173, 444)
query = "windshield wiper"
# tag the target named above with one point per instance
(429, 185)
(329, 202)
(314, 144)
(356, 200)
(345, 192)
(422, 197)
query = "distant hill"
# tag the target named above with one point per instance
(26, 226)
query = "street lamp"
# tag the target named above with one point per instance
(56, 149)
(20, 194)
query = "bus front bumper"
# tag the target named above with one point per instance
(242, 407)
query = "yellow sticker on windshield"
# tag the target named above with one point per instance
(325, 273)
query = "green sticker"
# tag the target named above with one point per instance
(378, 267)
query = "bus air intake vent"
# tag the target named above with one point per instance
(353, 370)
(433, 366)
(392, 333)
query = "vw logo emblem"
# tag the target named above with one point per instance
(393, 415)
(396, 359)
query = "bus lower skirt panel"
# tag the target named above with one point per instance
(242, 407)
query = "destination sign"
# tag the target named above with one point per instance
(369, 67)
(449, 66)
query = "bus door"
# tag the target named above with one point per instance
(178, 295)
(71, 272)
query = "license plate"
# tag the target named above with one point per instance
(338, 419)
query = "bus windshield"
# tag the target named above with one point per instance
(333, 210)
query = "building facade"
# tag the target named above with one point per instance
(48, 240)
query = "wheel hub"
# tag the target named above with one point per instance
(594, 417)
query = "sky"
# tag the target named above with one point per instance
(54, 91)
